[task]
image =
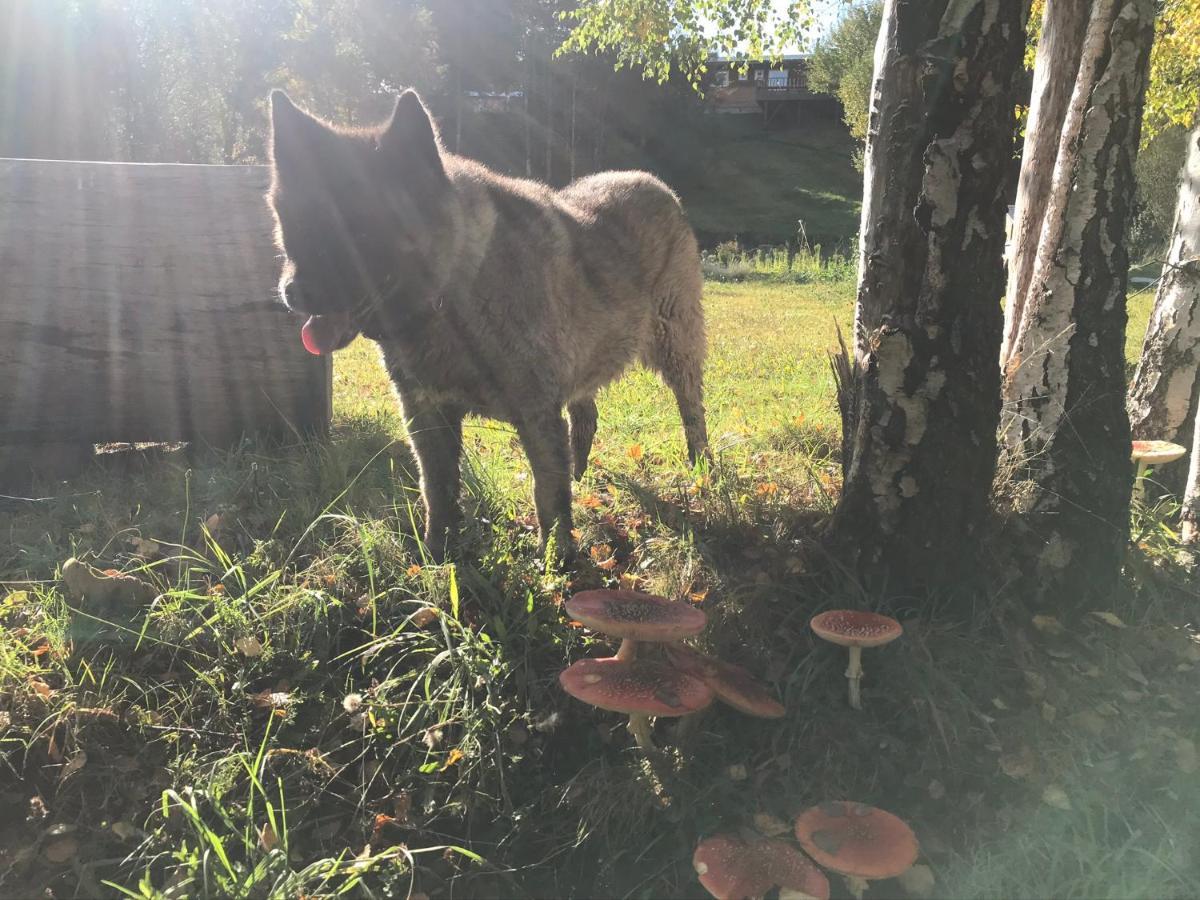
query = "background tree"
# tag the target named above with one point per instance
(1165, 393)
(921, 394)
(843, 65)
(1065, 424)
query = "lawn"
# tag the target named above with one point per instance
(307, 707)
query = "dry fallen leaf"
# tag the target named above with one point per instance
(635, 452)
(74, 764)
(40, 688)
(267, 839)
(61, 849)
(1047, 624)
(770, 825)
(737, 772)
(248, 646)
(266, 699)
(124, 830)
(424, 617)
(1185, 756)
(1055, 796)
(413, 571)
(1111, 618)
(918, 882)
(1018, 764)
(452, 759)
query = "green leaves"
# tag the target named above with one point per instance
(663, 37)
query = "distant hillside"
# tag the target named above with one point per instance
(736, 180)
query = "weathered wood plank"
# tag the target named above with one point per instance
(137, 304)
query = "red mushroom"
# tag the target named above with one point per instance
(638, 687)
(855, 629)
(732, 684)
(634, 616)
(858, 841)
(730, 868)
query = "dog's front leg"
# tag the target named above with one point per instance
(544, 437)
(436, 436)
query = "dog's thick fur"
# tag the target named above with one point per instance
(487, 294)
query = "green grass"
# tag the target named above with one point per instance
(309, 708)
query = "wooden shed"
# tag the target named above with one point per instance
(137, 303)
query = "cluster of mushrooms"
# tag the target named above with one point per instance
(686, 682)
(859, 842)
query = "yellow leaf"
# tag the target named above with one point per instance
(1047, 624)
(1111, 618)
(635, 452)
(248, 646)
(452, 759)
(1055, 796)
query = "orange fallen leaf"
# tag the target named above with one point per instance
(767, 489)
(413, 571)
(591, 501)
(698, 596)
(452, 759)
(635, 452)
(267, 839)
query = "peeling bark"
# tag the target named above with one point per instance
(1065, 423)
(1165, 392)
(920, 452)
(1190, 517)
(1054, 74)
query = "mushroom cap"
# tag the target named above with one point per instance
(1157, 452)
(732, 684)
(730, 869)
(857, 840)
(635, 686)
(856, 628)
(791, 870)
(634, 615)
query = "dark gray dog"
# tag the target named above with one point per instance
(487, 295)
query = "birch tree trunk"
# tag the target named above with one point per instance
(1165, 393)
(923, 387)
(1054, 74)
(1065, 423)
(1190, 518)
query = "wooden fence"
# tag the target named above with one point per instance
(137, 303)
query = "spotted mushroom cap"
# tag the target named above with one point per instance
(856, 628)
(1157, 452)
(732, 684)
(791, 870)
(729, 869)
(857, 840)
(635, 686)
(634, 615)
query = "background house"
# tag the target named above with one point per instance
(776, 90)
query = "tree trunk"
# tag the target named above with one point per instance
(458, 108)
(574, 87)
(1065, 423)
(924, 382)
(1166, 390)
(549, 123)
(1054, 74)
(1190, 518)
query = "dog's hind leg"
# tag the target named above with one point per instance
(544, 437)
(677, 354)
(583, 416)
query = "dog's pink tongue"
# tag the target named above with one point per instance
(321, 334)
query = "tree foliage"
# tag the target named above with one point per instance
(662, 37)
(843, 64)
(1174, 94)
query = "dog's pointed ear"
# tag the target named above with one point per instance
(410, 135)
(293, 131)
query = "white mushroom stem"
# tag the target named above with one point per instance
(854, 672)
(855, 885)
(639, 727)
(639, 724)
(1139, 485)
(627, 652)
